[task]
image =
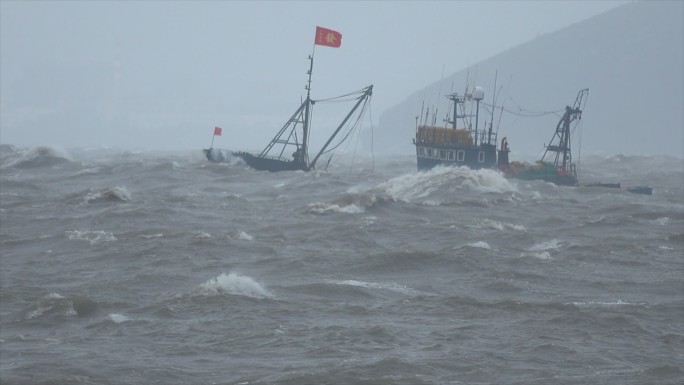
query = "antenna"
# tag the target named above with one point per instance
(489, 137)
(478, 94)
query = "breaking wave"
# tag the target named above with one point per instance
(234, 284)
(41, 156)
(410, 187)
(112, 194)
(415, 187)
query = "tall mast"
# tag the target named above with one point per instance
(307, 111)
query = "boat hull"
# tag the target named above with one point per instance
(541, 171)
(474, 157)
(254, 161)
(271, 164)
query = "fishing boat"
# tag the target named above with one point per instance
(556, 165)
(469, 146)
(289, 148)
(458, 143)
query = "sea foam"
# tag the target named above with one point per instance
(234, 284)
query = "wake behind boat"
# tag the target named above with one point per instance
(289, 148)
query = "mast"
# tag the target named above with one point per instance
(562, 148)
(478, 94)
(307, 112)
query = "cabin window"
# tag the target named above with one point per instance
(431, 152)
(421, 151)
(443, 154)
(481, 157)
(460, 156)
(452, 154)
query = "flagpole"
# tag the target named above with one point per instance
(305, 128)
(308, 86)
(212, 140)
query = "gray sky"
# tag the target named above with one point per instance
(162, 74)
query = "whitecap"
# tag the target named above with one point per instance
(480, 245)
(374, 285)
(325, 208)
(409, 187)
(41, 156)
(201, 235)
(93, 237)
(52, 303)
(234, 284)
(117, 318)
(244, 236)
(538, 255)
(548, 245)
(115, 194)
(150, 236)
(496, 225)
(662, 221)
(618, 302)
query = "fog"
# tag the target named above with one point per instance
(160, 75)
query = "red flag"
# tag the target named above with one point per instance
(217, 131)
(328, 37)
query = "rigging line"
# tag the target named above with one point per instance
(361, 91)
(531, 114)
(351, 129)
(333, 101)
(370, 116)
(358, 137)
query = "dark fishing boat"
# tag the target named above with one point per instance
(556, 165)
(289, 148)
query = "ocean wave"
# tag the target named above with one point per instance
(111, 194)
(390, 286)
(226, 157)
(409, 187)
(496, 225)
(41, 156)
(537, 254)
(414, 187)
(92, 236)
(348, 203)
(117, 318)
(234, 284)
(613, 303)
(552, 244)
(55, 304)
(479, 245)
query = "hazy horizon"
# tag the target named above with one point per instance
(161, 75)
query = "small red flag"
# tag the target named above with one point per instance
(217, 131)
(328, 37)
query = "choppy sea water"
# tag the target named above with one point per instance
(138, 268)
